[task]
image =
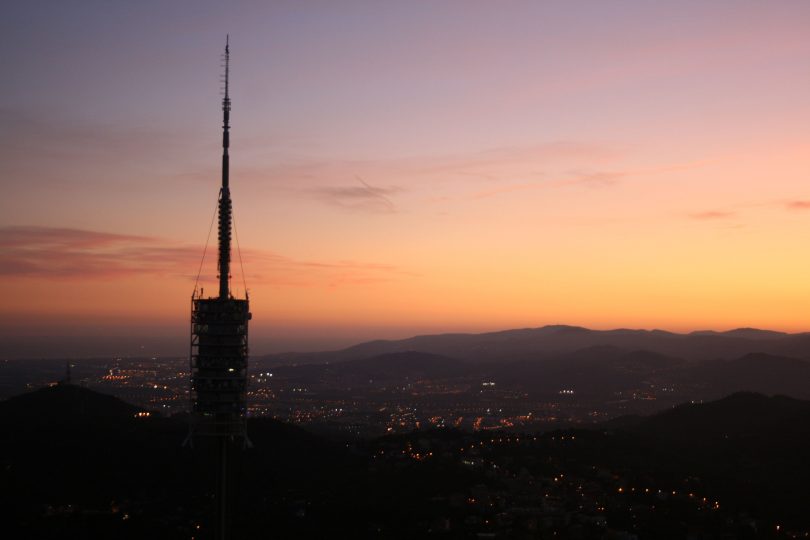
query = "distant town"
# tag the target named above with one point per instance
(341, 402)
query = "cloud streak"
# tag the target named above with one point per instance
(710, 215)
(75, 254)
(58, 138)
(326, 177)
(798, 205)
(362, 197)
(596, 179)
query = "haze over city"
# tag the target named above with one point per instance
(401, 170)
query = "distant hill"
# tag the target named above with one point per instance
(757, 372)
(549, 341)
(745, 333)
(747, 448)
(64, 403)
(85, 460)
(595, 370)
(739, 416)
(397, 366)
(604, 371)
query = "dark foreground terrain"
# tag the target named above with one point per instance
(79, 464)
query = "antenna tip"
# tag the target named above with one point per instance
(227, 39)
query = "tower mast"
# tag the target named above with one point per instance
(218, 354)
(224, 263)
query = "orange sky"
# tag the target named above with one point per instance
(420, 168)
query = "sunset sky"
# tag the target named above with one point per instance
(406, 167)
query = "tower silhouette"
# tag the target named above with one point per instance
(219, 345)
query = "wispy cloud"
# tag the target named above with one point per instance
(741, 208)
(509, 188)
(593, 179)
(435, 179)
(798, 205)
(58, 137)
(363, 197)
(712, 215)
(496, 163)
(61, 238)
(75, 254)
(299, 174)
(52, 150)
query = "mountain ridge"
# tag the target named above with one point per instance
(550, 340)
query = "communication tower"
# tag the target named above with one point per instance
(219, 345)
(219, 327)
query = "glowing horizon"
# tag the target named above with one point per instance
(409, 169)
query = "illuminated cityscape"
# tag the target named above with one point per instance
(341, 401)
(477, 461)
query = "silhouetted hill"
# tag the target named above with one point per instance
(764, 373)
(600, 370)
(397, 366)
(550, 341)
(64, 403)
(745, 333)
(408, 363)
(624, 422)
(747, 450)
(740, 415)
(607, 370)
(86, 460)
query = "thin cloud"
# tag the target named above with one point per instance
(485, 194)
(16, 237)
(59, 137)
(798, 205)
(596, 179)
(48, 150)
(363, 197)
(63, 253)
(712, 215)
(76, 254)
(488, 165)
(488, 172)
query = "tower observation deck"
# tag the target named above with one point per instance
(219, 327)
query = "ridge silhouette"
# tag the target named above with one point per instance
(76, 461)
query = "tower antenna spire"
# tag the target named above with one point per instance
(227, 58)
(225, 207)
